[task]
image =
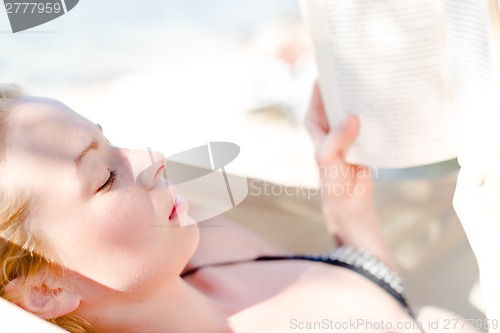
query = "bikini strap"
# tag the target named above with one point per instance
(356, 260)
(362, 263)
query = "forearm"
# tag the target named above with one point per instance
(360, 229)
(346, 189)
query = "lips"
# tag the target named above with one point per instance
(173, 214)
(180, 208)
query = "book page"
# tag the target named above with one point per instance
(385, 62)
(470, 32)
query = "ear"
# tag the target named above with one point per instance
(43, 295)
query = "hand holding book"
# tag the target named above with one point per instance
(420, 76)
(346, 189)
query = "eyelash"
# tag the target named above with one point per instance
(109, 183)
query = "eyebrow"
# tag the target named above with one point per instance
(92, 146)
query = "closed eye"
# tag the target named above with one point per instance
(109, 183)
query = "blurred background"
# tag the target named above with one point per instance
(173, 75)
(178, 72)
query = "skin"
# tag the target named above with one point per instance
(126, 226)
(476, 203)
(348, 214)
(123, 254)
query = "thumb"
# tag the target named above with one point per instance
(338, 141)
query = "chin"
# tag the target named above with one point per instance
(187, 241)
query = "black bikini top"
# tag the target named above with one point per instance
(356, 260)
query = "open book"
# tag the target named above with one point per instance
(422, 76)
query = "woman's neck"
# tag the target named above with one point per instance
(179, 308)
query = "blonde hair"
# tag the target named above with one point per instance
(21, 253)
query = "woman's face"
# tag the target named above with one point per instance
(98, 217)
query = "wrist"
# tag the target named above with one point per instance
(361, 230)
(345, 213)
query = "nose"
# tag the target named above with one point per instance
(147, 166)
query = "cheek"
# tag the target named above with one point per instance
(119, 241)
(125, 232)
(123, 220)
(112, 241)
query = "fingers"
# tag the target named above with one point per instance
(478, 176)
(315, 132)
(337, 142)
(477, 209)
(466, 187)
(330, 144)
(469, 177)
(315, 120)
(475, 203)
(351, 129)
(318, 109)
